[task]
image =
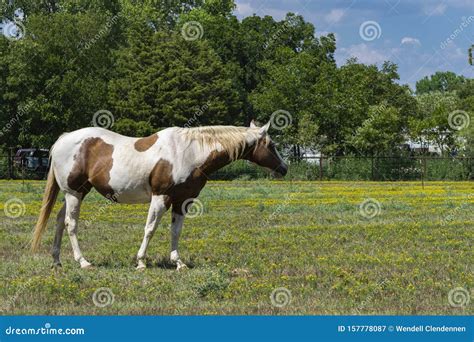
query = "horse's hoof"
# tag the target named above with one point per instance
(87, 266)
(141, 265)
(56, 265)
(181, 266)
(57, 268)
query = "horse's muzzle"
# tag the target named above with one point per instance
(282, 169)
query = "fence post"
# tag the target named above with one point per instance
(423, 172)
(372, 168)
(320, 167)
(10, 164)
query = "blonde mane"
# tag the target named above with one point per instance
(232, 139)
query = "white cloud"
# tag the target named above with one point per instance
(335, 15)
(277, 14)
(364, 54)
(325, 33)
(244, 9)
(410, 41)
(453, 52)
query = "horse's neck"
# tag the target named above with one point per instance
(215, 161)
(218, 159)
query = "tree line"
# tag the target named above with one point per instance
(154, 64)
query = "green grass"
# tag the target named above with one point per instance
(252, 238)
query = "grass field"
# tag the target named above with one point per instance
(320, 248)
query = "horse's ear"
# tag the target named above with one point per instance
(264, 129)
(253, 124)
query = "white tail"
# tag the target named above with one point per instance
(50, 194)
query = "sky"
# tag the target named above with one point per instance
(421, 37)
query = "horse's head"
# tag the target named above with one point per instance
(264, 152)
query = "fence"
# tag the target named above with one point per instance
(22, 169)
(324, 168)
(363, 168)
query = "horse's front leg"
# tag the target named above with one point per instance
(177, 219)
(158, 207)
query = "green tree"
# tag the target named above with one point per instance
(467, 138)
(290, 86)
(166, 80)
(380, 132)
(329, 104)
(57, 75)
(440, 81)
(432, 124)
(9, 117)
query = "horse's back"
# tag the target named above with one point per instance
(96, 157)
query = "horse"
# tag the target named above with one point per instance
(166, 169)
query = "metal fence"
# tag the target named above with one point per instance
(21, 169)
(373, 168)
(379, 168)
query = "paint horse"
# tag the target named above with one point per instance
(166, 169)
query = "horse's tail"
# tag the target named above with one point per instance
(50, 194)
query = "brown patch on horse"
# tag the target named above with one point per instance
(162, 183)
(92, 165)
(215, 161)
(143, 144)
(259, 151)
(161, 177)
(264, 154)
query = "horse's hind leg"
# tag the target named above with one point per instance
(60, 225)
(176, 226)
(73, 205)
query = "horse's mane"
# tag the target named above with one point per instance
(232, 139)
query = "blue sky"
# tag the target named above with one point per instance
(422, 37)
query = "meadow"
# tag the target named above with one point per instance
(253, 247)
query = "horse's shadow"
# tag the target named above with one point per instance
(166, 264)
(162, 263)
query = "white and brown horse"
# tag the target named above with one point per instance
(165, 169)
